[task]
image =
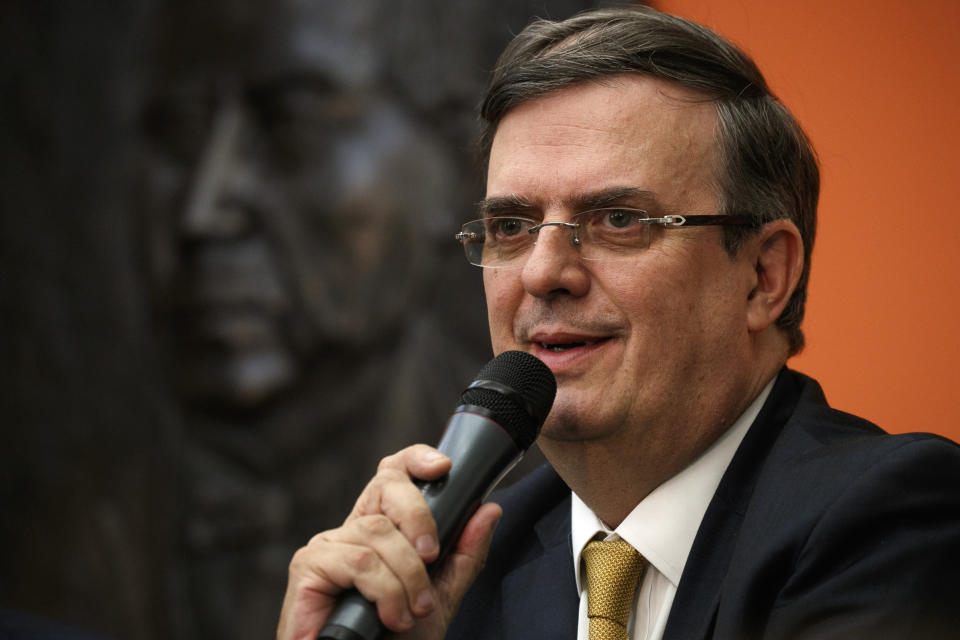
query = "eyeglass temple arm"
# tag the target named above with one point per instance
(703, 221)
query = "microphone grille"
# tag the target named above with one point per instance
(519, 397)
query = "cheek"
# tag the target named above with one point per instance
(668, 304)
(643, 293)
(502, 300)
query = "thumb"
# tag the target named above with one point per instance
(467, 559)
(459, 570)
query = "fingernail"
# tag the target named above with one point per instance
(425, 602)
(434, 457)
(426, 544)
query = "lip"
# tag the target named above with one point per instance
(582, 348)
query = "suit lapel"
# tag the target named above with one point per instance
(698, 596)
(539, 599)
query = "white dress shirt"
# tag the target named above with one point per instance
(662, 528)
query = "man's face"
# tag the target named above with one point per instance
(654, 342)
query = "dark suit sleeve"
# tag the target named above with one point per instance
(883, 559)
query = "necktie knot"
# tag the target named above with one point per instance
(613, 572)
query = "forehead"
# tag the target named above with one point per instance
(629, 130)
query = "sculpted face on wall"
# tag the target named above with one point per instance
(291, 202)
(292, 206)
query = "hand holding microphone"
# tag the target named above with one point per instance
(379, 555)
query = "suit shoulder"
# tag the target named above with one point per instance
(814, 433)
(848, 445)
(540, 503)
(831, 473)
(832, 514)
(539, 489)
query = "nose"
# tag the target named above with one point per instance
(554, 266)
(214, 208)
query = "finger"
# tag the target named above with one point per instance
(392, 493)
(303, 611)
(418, 461)
(393, 549)
(363, 569)
(375, 551)
(404, 504)
(310, 595)
(370, 555)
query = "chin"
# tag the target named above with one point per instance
(566, 425)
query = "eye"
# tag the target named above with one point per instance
(612, 219)
(613, 231)
(618, 218)
(506, 226)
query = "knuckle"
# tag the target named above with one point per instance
(298, 560)
(367, 503)
(306, 555)
(376, 525)
(389, 462)
(389, 475)
(301, 562)
(316, 541)
(362, 559)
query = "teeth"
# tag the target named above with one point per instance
(559, 348)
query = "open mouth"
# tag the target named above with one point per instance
(566, 346)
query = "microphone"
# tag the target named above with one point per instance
(498, 418)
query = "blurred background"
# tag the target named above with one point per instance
(228, 283)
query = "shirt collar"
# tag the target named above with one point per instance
(662, 527)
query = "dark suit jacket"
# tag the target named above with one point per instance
(823, 526)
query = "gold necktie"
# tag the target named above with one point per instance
(613, 572)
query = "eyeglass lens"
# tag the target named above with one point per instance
(601, 234)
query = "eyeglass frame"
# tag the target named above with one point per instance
(668, 221)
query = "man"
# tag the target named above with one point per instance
(647, 233)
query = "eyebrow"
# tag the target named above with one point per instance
(613, 196)
(514, 205)
(501, 205)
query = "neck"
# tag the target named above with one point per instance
(614, 474)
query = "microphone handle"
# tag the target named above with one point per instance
(481, 453)
(355, 618)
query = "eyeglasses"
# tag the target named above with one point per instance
(599, 234)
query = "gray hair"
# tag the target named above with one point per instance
(767, 165)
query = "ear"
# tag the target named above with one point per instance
(777, 252)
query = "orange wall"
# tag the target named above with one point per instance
(876, 84)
